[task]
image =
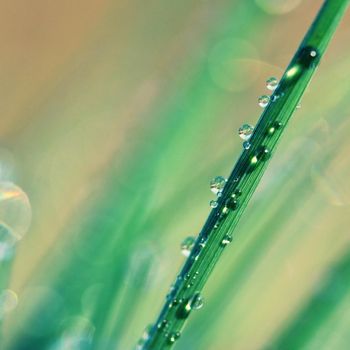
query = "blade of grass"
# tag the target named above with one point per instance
(217, 231)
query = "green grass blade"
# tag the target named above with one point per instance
(217, 231)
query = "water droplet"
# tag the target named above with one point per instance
(254, 160)
(272, 83)
(246, 145)
(217, 184)
(238, 193)
(224, 211)
(8, 301)
(232, 203)
(187, 244)
(245, 131)
(15, 211)
(298, 106)
(163, 324)
(226, 240)
(271, 130)
(172, 337)
(196, 301)
(308, 57)
(263, 153)
(263, 101)
(213, 204)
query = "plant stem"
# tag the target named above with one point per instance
(217, 231)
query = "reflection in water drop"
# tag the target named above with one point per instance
(217, 184)
(8, 302)
(263, 101)
(272, 83)
(245, 131)
(187, 245)
(15, 210)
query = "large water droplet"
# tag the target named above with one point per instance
(245, 131)
(15, 211)
(217, 184)
(272, 83)
(187, 244)
(8, 302)
(213, 204)
(263, 101)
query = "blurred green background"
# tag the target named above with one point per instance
(115, 115)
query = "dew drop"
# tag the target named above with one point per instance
(231, 203)
(238, 193)
(187, 244)
(246, 145)
(213, 204)
(245, 131)
(263, 101)
(217, 184)
(254, 160)
(196, 301)
(172, 337)
(226, 240)
(224, 211)
(272, 83)
(163, 324)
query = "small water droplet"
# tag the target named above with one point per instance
(245, 131)
(217, 184)
(246, 145)
(172, 337)
(226, 240)
(298, 106)
(187, 244)
(195, 302)
(263, 100)
(254, 160)
(213, 204)
(225, 210)
(238, 193)
(163, 324)
(272, 83)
